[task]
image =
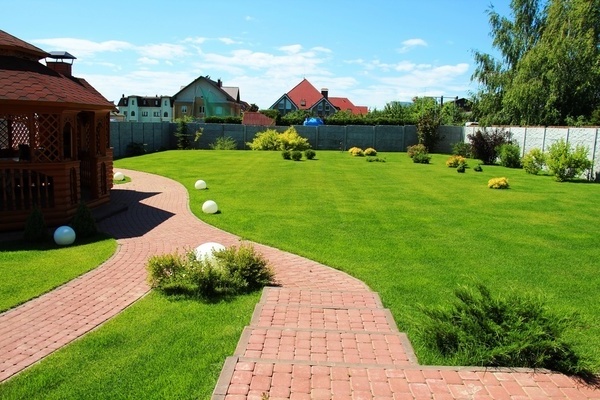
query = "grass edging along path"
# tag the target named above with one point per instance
(412, 232)
(30, 270)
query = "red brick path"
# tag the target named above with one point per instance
(321, 334)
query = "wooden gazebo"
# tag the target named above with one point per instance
(54, 137)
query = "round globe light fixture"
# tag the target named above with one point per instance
(205, 252)
(119, 176)
(209, 207)
(64, 236)
(200, 184)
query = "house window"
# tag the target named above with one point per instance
(156, 102)
(125, 113)
(133, 113)
(145, 103)
(327, 107)
(157, 114)
(320, 108)
(282, 105)
(133, 102)
(166, 115)
(144, 113)
(201, 109)
(184, 109)
(166, 104)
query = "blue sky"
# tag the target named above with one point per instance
(371, 52)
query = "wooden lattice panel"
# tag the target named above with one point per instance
(47, 139)
(18, 126)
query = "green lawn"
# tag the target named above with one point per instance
(30, 270)
(411, 232)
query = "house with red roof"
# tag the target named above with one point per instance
(54, 137)
(304, 96)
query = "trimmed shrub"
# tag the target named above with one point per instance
(309, 154)
(273, 140)
(478, 168)
(461, 168)
(534, 161)
(416, 149)
(513, 331)
(296, 155)
(356, 152)
(83, 222)
(498, 183)
(370, 152)
(461, 149)
(36, 230)
(565, 163)
(509, 155)
(375, 159)
(244, 262)
(456, 161)
(485, 144)
(286, 154)
(135, 149)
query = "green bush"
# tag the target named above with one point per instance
(485, 144)
(231, 271)
(461, 168)
(291, 140)
(286, 154)
(565, 163)
(309, 154)
(296, 155)
(462, 149)
(533, 162)
(267, 140)
(36, 230)
(513, 331)
(375, 159)
(478, 168)
(509, 155)
(416, 149)
(273, 140)
(421, 158)
(224, 143)
(135, 149)
(83, 222)
(183, 136)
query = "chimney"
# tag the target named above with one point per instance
(61, 62)
(219, 82)
(325, 92)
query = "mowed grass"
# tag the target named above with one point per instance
(159, 348)
(412, 232)
(30, 270)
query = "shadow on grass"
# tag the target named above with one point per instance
(23, 245)
(179, 293)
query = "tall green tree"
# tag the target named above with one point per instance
(550, 67)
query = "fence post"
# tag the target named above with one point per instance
(524, 142)
(544, 140)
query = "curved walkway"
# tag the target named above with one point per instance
(319, 334)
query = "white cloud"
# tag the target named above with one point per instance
(81, 48)
(148, 61)
(195, 40)
(228, 41)
(409, 44)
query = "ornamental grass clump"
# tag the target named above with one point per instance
(356, 152)
(498, 183)
(479, 329)
(232, 271)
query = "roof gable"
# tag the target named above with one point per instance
(212, 84)
(304, 95)
(344, 104)
(10, 45)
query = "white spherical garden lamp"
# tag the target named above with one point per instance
(119, 176)
(209, 207)
(206, 250)
(200, 184)
(64, 236)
